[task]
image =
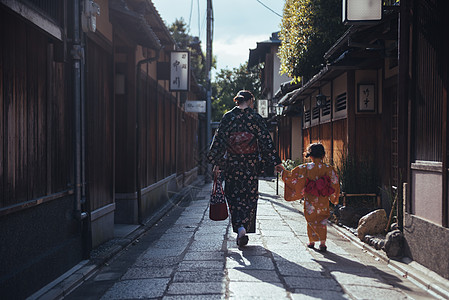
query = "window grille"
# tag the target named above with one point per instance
(327, 108)
(340, 102)
(315, 113)
(307, 116)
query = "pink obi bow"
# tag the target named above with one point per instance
(319, 187)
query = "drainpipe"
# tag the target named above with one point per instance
(77, 53)
(138, 188)
(77, 56)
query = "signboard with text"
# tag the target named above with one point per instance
(262, 108)
(195, 106)
(179, 71)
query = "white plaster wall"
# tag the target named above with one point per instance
(278, 79)
(426, 195)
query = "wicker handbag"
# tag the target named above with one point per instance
(218, 209)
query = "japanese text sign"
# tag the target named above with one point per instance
(179, 71)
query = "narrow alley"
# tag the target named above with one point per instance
(188, 256)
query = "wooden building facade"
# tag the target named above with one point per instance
(90, 136)
(386, 98)
(423, 133)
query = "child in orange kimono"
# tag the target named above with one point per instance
(318, 184)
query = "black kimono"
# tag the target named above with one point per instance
(242, 147)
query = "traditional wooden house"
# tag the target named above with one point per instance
(346, 104)
(422, 105)
(90, 137)
(383, 96)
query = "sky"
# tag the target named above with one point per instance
(238, 24)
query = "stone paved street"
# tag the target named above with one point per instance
(188, 256)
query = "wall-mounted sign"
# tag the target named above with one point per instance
(179, 71)
(361, 11)
(195, 106)
(262, 108)
(366, 98)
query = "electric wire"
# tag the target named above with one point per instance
(190, 16)
(199, 18)
(269, 8)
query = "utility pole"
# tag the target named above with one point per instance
(208, 85)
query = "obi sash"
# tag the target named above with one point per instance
(242, 143)
(319, 187)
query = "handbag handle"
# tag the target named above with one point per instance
(214, 187)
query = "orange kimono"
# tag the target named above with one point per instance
(318, 184)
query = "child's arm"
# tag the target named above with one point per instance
(335, 183)
(293, 184)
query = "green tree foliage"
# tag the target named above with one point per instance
(308, 30)
(226, 85)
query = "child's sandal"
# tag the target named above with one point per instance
(323, 248)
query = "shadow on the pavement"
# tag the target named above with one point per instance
(312, 278)
(275, 200)
(336, 262)
(256, 262)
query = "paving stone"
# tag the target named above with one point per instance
(365, 279)
(151, 272)
(201, 265)
(203, 275)
(158, 262)
(207, 245)
(195, 297)
(287, 268)
(362, 292)
(141, 288)
(160, 253)
(281, 244)
(256, 290)
(251, 250)
(285, 234)
(296, 255)
(250, 262)
(249, 275)
(204, 255)
(196, 288)
(304, 294)
(313, 283)
(181, 244)
(219, 230)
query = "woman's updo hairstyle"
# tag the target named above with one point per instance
(243, 96)
(315, 150)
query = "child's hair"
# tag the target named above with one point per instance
(316, 150)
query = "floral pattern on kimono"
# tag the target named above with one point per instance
(242, 169)
(318, 184)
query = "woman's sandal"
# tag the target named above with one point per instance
(242, 241)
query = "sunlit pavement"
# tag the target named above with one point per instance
(188, 256)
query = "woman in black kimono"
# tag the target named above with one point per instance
(242, 148)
